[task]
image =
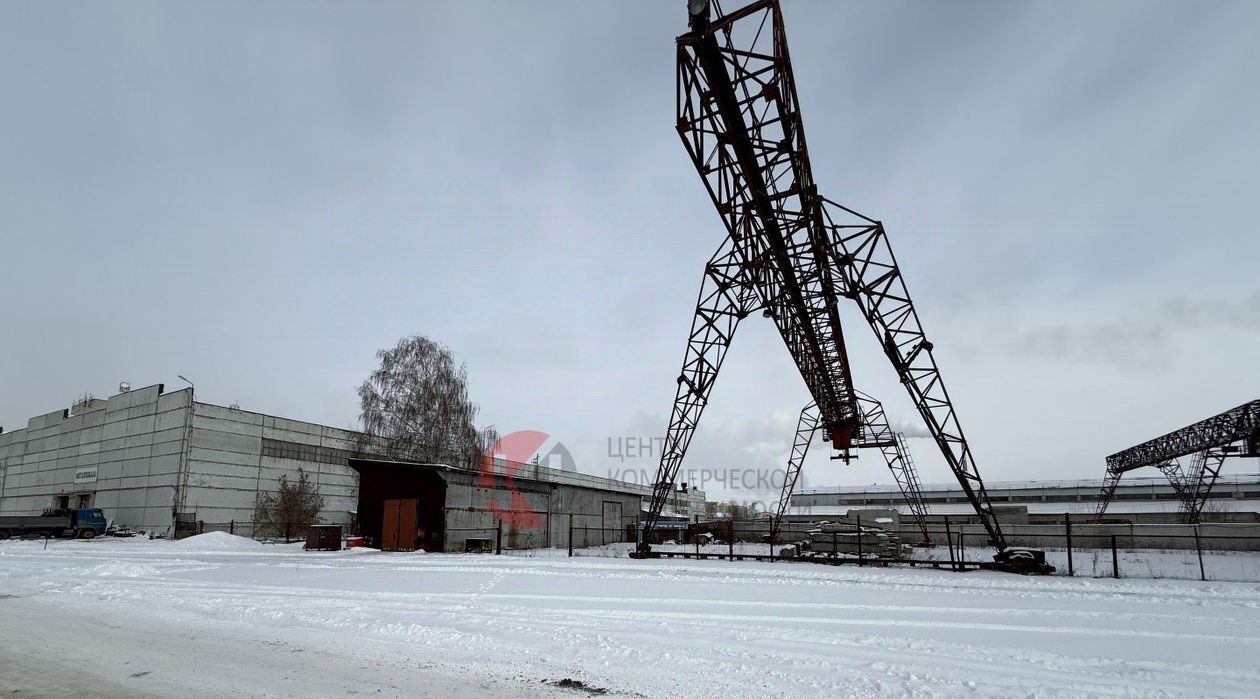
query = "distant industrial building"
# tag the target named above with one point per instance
(166, 463)
(1136, 500)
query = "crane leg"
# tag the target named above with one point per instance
(805, 429)
(726, 297)
(871, 277)
(1203, 474)
(877, 432)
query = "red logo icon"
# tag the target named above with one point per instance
(516, 449)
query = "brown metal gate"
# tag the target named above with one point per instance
(398, 528)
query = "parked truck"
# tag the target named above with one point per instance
(61, 523)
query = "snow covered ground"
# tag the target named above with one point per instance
(221, 616)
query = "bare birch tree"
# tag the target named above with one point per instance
(415, 407)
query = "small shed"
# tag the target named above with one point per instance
(434, 507)
(402, 506)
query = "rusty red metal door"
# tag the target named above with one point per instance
(398, 525)
(389, 526)
(407, 524)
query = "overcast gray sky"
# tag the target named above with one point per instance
(261, 195)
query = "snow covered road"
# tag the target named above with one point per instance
(228, 617)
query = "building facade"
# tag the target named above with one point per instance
(1234, 498)
(151, 459)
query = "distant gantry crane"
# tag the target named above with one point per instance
(1234, 433)
(792, 254)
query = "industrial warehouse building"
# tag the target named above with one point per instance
(1234, 498)
(166, 463)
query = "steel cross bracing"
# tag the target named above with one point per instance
(797, 253)
(1234, 432)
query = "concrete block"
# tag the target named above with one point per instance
(164, 464)
(223, 457)
(134, 468)
(248, 429)
(143, 424)
(131, 496)
(83, 460)
(139, 440)
(137, 453)
(157, 496)
(170, 420)
(174, 400)
(114, 430)
(291, 436)
(94, 419)
(226, 441)
(213, 469)
(88, 435)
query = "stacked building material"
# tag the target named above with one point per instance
(849, 538)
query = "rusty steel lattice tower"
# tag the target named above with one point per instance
(793, 255)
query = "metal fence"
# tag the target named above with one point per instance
(1191, 556)
(1073, 548)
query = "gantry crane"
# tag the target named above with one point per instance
(789, 253)
(1233, 433)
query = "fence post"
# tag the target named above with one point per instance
(570, 535)
(232, 527)
(201, 526)
(730, 540)
(859, 540)
(1067, 527)
(695, 535)
(835, 545)
(1115, 558)
(498, 538)
(949, 543)
(1198, 546)
(772, 528)
(962, 550)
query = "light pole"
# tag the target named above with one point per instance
(185, 380)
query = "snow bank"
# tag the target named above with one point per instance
(218, 541)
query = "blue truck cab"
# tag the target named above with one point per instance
(92, 518)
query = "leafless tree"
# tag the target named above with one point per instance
(290, 510)
(415, 407)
